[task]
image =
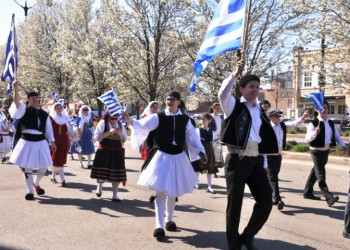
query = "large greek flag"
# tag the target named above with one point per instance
(11, 60)
(224, 34)
(317, 98)
(110, 100)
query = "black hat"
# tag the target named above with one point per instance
(174, 93)
(272, 112)
(32, 93)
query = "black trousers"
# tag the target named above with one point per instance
(347, 213)
(239, 172)
(318, 173)
(274, 165)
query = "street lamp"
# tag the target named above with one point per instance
(25, 7)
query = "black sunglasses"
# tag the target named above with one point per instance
(113, 118)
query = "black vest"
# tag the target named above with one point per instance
(30, 121)
(164, 134)
(206, 135)
(318, 142)
(284, 129)
(236, 129)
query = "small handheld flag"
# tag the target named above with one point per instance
(224, 34)
(317, 98)
(11, 59)
(2, 117)
(55, 97)
(110, 100)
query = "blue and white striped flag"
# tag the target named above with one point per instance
(55, 97)
(11, 60)
(317, 98)
(110, 100)
(2, 117)
(224, 34)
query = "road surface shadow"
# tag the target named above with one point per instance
(136, 208)
(294, 210)
(217, 240)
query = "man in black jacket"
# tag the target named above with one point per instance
(321, 134)
(248, 135)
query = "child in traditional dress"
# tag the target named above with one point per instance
(85, 128)
(61, 129)
(168, 170)
(206, 135)
(5, 139)
(109, 162)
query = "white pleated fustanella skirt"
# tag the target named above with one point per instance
(171, 174)
(30, 154)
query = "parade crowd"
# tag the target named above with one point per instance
(175, 151)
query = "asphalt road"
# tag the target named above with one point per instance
(74, 218)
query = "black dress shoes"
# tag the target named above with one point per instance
(53, 180)
(311, 197)
(280, 205)
(332, 200)
(346, 235)
(159, 233)
(171, 226)
(29, 197)
(249, 244)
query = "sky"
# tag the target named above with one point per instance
(7, 8)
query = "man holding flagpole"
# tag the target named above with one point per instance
(321, 135)
(248, 135)
(35, 134)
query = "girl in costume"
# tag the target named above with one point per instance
(109, 162)
(62, 130)
(85, 127)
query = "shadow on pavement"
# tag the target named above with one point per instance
(327, 211)
(264, 244)
(203, 239)
(135, 208)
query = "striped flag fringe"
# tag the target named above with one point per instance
(317, 98)
(11, 59)
(224, 34)
(110, 100)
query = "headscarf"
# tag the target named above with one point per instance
(147, 110)
(59, 119)
(84, 118)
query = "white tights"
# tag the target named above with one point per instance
(28, 177)
(60, 171)
(80, 156)
(164, 203)
(115, 186)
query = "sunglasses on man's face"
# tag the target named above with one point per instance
(113, 118)
(85, 110)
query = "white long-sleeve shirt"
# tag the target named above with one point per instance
(100, 129)
(279, 131)
(228, 103)
(311, 135)
(19, 113)
(142, 127)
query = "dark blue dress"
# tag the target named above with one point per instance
(85, 141)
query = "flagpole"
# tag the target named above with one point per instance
(241, 53)
(15, 47)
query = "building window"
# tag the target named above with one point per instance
(341, 109)
(307, 79)
(290, 102)
(331, 110)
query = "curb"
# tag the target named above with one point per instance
(306, 157)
